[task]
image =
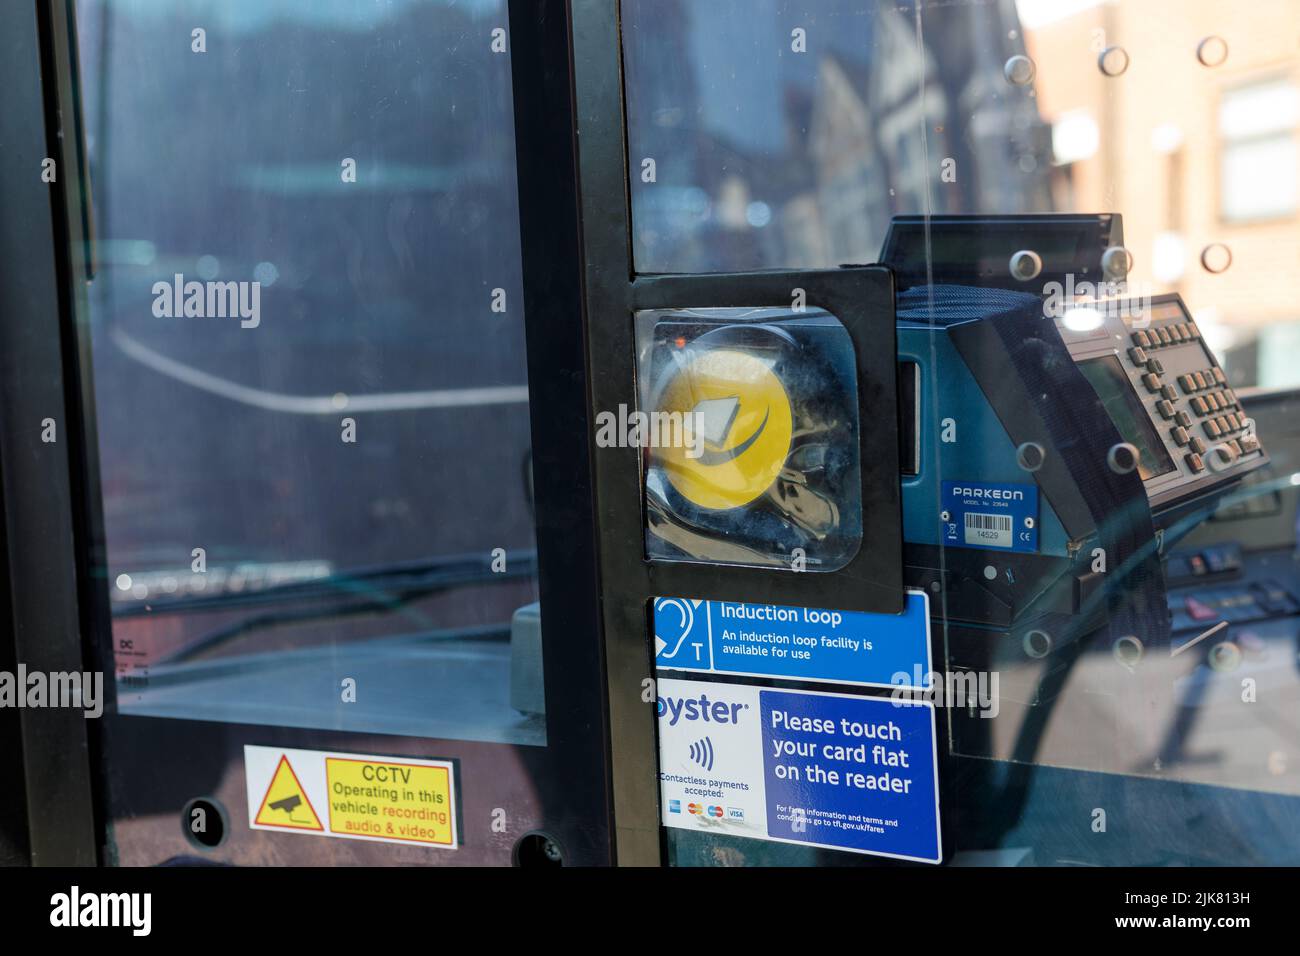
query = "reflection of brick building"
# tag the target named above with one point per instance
(1191, 155)
(882, 122)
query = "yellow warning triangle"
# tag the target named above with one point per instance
(286, 803)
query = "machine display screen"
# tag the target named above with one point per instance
(1122, 405)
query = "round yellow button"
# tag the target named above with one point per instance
(738, 425)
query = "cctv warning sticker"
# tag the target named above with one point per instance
(354, 796)
(828, 770)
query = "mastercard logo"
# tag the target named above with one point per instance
(737, 404)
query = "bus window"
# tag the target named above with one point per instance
(307, 350)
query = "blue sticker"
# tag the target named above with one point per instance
(998, 516)
(797, 643)
(830, 770)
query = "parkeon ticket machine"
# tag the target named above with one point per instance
(1051, 444)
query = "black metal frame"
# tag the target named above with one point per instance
(561, 458)
(51, 554)
(861, 297)
(42, 537)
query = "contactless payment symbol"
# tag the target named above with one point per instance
(736, 404)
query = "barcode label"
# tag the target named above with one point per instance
(988, 530)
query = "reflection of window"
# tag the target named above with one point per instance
(1257, 126)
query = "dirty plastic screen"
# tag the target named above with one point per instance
(751, 448)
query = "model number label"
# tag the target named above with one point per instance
(987, 515)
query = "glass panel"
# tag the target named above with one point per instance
(308, 360)
(1092, 224)
(792, 144)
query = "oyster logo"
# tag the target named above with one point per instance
(209, 300)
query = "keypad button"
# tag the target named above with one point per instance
(1195, 462)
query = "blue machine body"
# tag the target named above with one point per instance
(981, 454)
